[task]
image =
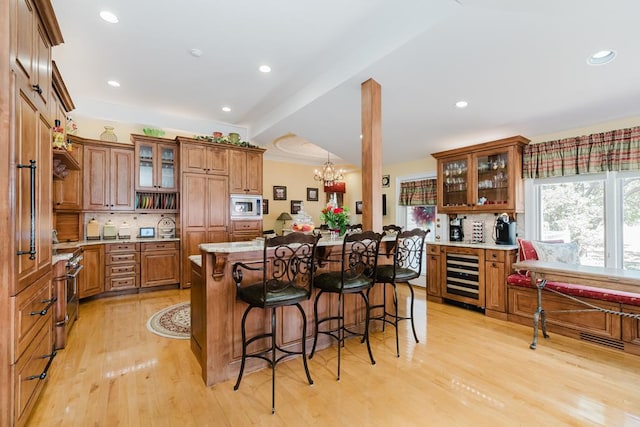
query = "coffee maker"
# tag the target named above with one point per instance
(505, 230)
(455, 230)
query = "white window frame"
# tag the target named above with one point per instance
(401, 211)
(613, 215)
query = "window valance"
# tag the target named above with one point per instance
(616, 150)
(418, 193)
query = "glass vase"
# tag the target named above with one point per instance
(108, 135)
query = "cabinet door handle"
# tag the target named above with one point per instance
(46, 309)
(493, 264)
(32, 209)
(43, 375)
(37, 88)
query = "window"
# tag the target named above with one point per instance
(601, 212)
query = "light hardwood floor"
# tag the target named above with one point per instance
(466, 370)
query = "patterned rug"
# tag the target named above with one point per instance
(172, 322)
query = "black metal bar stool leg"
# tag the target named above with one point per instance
(244, 347)
(304, 343)
(413, 326)
(366, 327)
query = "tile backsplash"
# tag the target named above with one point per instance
(133, 220)
(487, 220)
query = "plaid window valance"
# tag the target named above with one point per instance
(616, 150)
(418, 193)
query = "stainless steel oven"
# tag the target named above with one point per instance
(67, 294)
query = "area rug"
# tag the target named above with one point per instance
(172, 322)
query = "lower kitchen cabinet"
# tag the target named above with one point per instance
(159, 264)
(470, 275)
(245, 230)
(122, 266)
(91, 278)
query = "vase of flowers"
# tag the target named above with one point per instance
(336, 218)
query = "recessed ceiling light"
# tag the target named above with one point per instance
(265, 69)
(601, 57)
(109, 17)
(226, 109)
(196, 52)
(113, 83)
(462, 104)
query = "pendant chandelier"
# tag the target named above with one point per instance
(329, 174)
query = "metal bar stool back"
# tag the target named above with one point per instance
(357, 267)
(283, 277)
(407, 265)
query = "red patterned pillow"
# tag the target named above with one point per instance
(526, 251)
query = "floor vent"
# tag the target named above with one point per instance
(608, 342)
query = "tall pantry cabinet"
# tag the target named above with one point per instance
(28, 30)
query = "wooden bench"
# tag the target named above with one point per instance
(596, 304)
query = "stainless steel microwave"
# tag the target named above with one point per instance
(245, 206)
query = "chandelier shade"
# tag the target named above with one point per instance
(328, 174)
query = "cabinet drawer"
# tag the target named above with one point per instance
(120, 270)
(121, 247)
(495, 255)
(433, 249)
(119, 283)
(246, 226)
(27, 372)
(32, 313)
(121, 258)
(159, 246)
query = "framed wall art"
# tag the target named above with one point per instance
(359, 208)
(279, 192)
(265, 207)
(312, 194)
(296, 206)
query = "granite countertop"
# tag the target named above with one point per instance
(258, 245)
(479, 245)
(60, 257)
(73, 245)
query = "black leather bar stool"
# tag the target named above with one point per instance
(285, 278)
(358, 262)
(407, 265)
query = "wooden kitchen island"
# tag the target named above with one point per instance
(216, 339)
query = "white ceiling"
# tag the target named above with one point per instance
(521, 65)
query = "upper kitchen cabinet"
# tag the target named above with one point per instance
(202, 157)
(482, 178)
(156, 164)
(107, 177)
(36, 31)
(156, 172)
(245, 171)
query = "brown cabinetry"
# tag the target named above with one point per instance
(198, 157)
(28, 29)
(205, 215)
(245, 172)
(482, 178)
(107, 178)
(67, 192)
(160, 264)
(91, 278)
(497, 268)
(244, 230)
(156, 174)
(434, 284)
(474, 276)
(122, 266)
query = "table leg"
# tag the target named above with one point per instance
(538, 316)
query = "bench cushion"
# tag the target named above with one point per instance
(611, 295)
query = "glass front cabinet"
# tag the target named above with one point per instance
(484, 178)
(156, 173)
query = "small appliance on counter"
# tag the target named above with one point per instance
(505, 230)
(166, 228)
(147, 232)
(455, 230)
(124, 232)
(93, 230)
(109, 231)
